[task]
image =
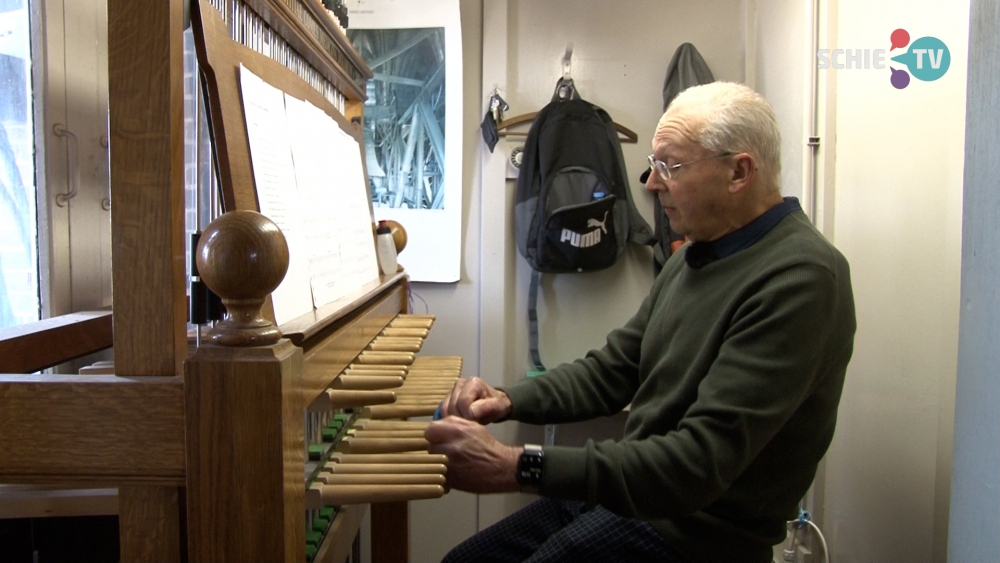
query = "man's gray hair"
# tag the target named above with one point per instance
(731, 117)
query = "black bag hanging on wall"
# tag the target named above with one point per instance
(573, 208)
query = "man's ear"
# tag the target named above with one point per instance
(743, 171)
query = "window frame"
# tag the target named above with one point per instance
(70, 77)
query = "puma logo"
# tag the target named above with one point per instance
(585, 240)
(596, 223)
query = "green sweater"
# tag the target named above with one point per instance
(734, 371)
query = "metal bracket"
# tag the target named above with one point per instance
(74, 179)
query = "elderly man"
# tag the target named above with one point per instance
(733, 366)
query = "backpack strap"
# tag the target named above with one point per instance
(536, 358)
(639, 231)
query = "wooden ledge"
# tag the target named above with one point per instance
(39, 501)
(302, 328)
(49, 342)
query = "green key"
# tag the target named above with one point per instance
(328, 512)
(342, 417)
(330, 433)
(316, 452)
(310, 552)
(313, 538)
(320, 524)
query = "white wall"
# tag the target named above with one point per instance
(780, 74)
(976, 478)
(894, 208)
(898, 216)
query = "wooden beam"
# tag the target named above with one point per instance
(146, 114)
(99, 429)
(35, 346)
(41, 501)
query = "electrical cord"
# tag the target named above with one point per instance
(802, 521)
(822, 540)
(417, 295)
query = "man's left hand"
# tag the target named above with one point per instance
(477, 462)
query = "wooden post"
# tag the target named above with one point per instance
(146, 115)
(245, 454)
(156, 512)
(244, 407)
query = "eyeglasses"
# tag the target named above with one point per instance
(670, 172)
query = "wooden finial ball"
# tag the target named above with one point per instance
(242, 256)
(398, 235)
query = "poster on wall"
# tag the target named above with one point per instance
(413, 125)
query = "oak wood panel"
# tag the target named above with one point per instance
(146, 118)
(94, 428)
(149, 520)
(246, 461)
(49, 342)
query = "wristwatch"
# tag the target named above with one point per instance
(530, 468)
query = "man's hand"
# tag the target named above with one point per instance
(477, 462)
(474, 399)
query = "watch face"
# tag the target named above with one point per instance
(531, 466)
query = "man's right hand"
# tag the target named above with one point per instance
(474, 399)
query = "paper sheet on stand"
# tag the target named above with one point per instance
(341, 246)
(277, 195)
(358, 251)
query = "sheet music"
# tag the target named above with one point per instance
(336, 220)
(277, 194)
(359, 255)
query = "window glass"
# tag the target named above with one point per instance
(19, 301)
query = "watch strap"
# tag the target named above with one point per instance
(531, 468)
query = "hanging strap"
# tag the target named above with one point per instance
(536, 358)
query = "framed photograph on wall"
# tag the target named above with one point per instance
(413, 135)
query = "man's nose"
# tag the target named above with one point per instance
(653, 181)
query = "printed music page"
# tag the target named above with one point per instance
(337, 220)
(277, 194)
(358, 253)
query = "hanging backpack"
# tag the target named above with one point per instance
(573, 208)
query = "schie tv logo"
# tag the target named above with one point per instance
(927, 59)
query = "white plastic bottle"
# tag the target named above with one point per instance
(386, 249)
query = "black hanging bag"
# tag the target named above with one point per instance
(573, 208)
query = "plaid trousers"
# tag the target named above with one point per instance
(558, 531)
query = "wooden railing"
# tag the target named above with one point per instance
(36, 346)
